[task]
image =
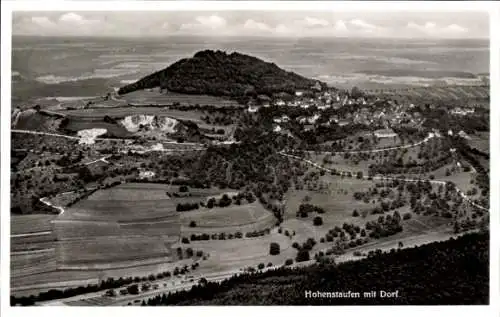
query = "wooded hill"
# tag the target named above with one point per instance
(218, 73)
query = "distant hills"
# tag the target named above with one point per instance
(218, 73)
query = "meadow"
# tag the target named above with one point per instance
(152, 97)
(244, 218)
(454, 92)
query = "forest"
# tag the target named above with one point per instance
(218, 73)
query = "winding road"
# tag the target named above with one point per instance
(464, 196)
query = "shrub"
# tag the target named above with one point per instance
(133, 289)
(289, 262)
(274, 248)
(261, 266)
(185, 240)
(407, 216)
(302, 255)
(318, 221)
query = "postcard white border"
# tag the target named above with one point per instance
(430, 6)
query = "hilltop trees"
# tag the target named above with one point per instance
(217, 73)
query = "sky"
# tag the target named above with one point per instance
(432, 25)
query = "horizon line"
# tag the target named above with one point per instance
(253, 36)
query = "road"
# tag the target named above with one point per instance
(464, 196)
(48, 203)
(39, 233)
(70, 137)
(173, 285)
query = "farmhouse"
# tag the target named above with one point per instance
(464, 135)
(253, 108)
(385, 133)
(280, 102)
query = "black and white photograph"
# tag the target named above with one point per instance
(237, 155)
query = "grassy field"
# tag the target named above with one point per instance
(111, 251)
(243, 218)
(340, 163)
(30, 223)
(480, 141)
(457, 92)
(33, 245)
(25, 264)
(241, 253)
(123, 203)
(156, 98)
(120, 112)
(127, 230)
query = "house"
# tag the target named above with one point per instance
(464, 135)
(299, 93)
(253, 108)
(280, 102)
(277, 128)
(385, 133)
(146, 174)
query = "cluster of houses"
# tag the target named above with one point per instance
(391, 115)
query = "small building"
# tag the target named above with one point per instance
(464, 135)
(385, 133)
(146, 174)
(299, 93)
(280, 102)
(253, 108)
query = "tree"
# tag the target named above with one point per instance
(261, 266)
(110, 293)
(192, 224)
(211, 203)
(288, 262)
(356, 92)
(318, 221)
(133, 289)
(355, 213)
(274, 248)
(302, 255)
